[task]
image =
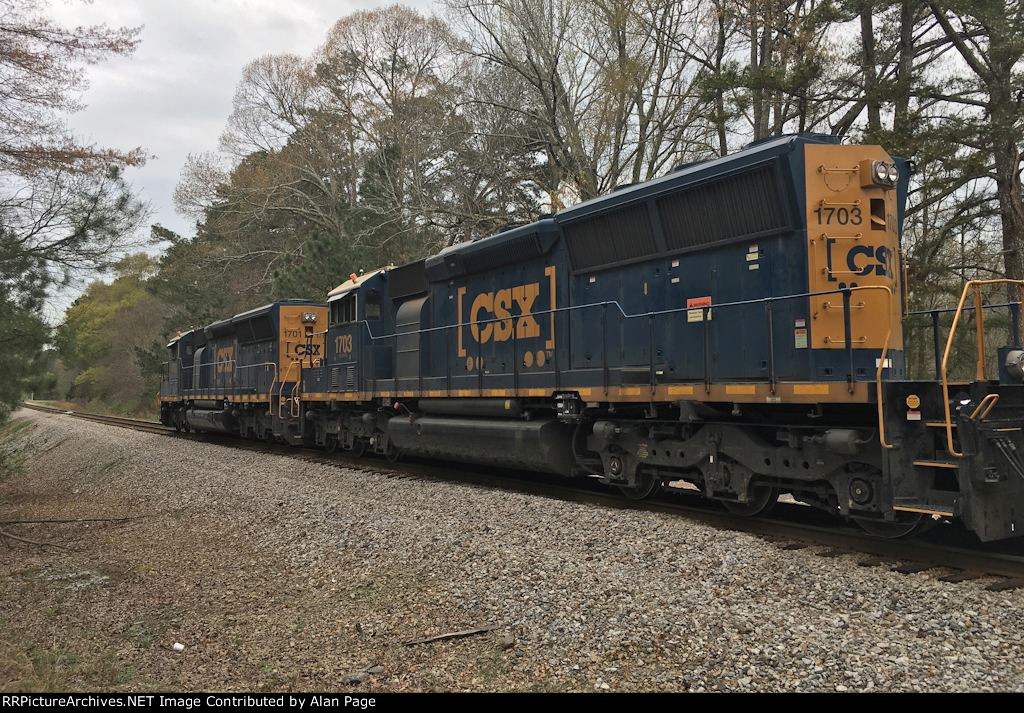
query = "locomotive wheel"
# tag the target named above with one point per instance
(647, 484)
(762, 500)
(331, 444)
(358, 448)
(391, 453)
(906, 524)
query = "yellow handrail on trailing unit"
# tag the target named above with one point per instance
(294, 398)
(280, 390)
(969, 286)
(885, 352)
(881, 361)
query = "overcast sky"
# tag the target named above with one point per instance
(173, 96)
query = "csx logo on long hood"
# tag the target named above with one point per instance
(498, 315)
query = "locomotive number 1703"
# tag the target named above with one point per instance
(840, 216)
(343, 344)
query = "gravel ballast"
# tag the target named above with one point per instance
(274, 573)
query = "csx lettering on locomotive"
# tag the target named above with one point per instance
(226, 359)
(497, 305)
(304, 349)
(499, 315)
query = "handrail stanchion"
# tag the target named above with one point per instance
(557, 343)
(448, 361)
(771, 348)
(280, 390)
(375, 355)
(479, 361)
(1015, 324)
(604, 345)
(706, 319)
(270, 393)
(515, 359)
(848, 336)
(1017, 333)
(979, 329)
(935, 343)
(968, 287)
(419, 365)
(650, 347)
(296, 393)
(878, 390)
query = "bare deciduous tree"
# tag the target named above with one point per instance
(610, 99)
(41, 71)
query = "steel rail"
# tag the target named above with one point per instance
(971, 560)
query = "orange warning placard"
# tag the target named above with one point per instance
(695, 306)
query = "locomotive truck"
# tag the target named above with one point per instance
(734, 328)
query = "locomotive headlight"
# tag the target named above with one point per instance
(878, 173)
(309, 316)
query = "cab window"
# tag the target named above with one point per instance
(343, 311)
(372, 306)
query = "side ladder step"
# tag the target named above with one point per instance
(952, 464)
(923, 510)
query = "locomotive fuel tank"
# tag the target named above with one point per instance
(542, 445)
(221, 421)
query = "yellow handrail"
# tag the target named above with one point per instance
(294, 398)
(280, 390)
(270, 391)
(976, 286)
(906, 296)
(881, 361)
(986, 405)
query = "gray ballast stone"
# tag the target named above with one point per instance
(585, 597)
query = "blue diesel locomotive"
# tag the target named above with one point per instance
(734, 328)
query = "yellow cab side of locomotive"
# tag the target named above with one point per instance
(853, 242)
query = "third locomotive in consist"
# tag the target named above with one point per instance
(735, 328)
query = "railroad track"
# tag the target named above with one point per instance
(947, 552)
(136, 424)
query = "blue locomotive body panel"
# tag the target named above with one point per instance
(611, 293)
